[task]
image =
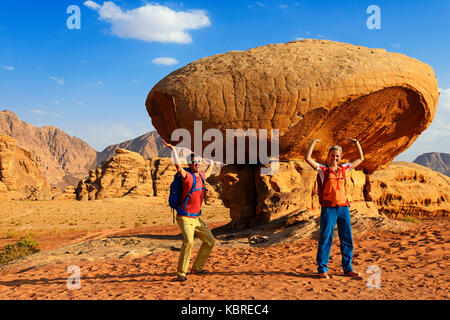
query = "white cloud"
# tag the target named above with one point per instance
(7, 68)
(165, 61)
(37, 111)
(45, 113)
(151, 22)
(283, 6)
(134, 81)
(58, 80)
(56, 101)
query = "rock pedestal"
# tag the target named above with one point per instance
(400, 189)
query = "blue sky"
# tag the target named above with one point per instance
(93, 82)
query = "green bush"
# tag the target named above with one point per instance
(24, 247)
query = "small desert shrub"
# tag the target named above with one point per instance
(138, 224)
(411, 219)
(24, 247)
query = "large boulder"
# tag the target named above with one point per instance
(305, 89)
(20, 173)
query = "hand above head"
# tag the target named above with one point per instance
(354, 140)
(168, 144)
(315, 140)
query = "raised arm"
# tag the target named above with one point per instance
(308, 158)
(358, 161)
(209, 169)
(177, 161)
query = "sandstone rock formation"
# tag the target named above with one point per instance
(410, 189)
(63, 159)
(20, 174)
(118, 177)
(400, 189)
(69, 193)
(436, 161)
(306, 89)
(127, 173)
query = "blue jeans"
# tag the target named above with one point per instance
(328, 218)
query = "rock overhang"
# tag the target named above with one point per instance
(306, 89)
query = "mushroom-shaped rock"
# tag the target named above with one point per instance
(306, 89)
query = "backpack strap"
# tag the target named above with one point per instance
(190, 192)
(182, 211)
(202, 188)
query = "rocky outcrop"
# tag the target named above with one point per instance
(305, 89)
(436, 161)
(127, 173)
(20, 173)
(69, 193)
(400, 189)
(63, 159)
(406, 188)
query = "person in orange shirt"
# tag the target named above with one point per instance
(335, 207)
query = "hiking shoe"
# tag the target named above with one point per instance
(180, 279)
(352, 274)
(324, 275)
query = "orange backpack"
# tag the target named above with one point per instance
(332, 189)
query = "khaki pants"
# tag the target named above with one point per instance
(190, 227)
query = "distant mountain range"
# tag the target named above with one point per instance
(148, 145)
(436, 161)
(64, 159)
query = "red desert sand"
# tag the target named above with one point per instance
(140, 263)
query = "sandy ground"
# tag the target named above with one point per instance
(52, 223)
(140, 262)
